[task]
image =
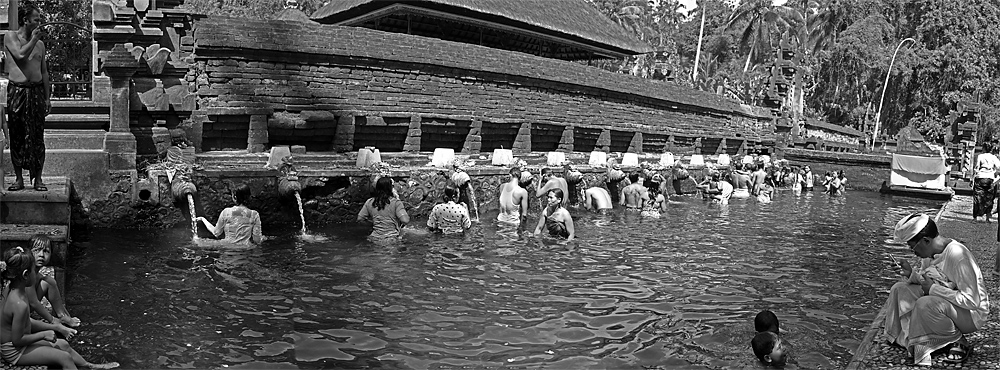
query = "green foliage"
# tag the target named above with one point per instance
(255, 9)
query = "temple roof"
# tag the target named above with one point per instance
(562, 29)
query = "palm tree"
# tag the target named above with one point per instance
(825, 25)
(759, 19)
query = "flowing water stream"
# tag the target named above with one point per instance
(194, 216)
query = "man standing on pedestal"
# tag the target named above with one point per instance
(27, 97)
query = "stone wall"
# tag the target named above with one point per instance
(864, 171)
(263, 83)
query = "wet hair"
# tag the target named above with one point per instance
(766, 321)
(450, 193)
(241, 194)
(18, 261)
(633, 177)
(515, 172)
(40, 241)
(546, 171)
(929, 231)
(24, 10)
(762, 344)
(383, 192)
(987, 147)
(558, 192)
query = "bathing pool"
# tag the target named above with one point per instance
(676, 292)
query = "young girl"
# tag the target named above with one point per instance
(240, 225)
(24, 341)
(555, 217)
(46, 290)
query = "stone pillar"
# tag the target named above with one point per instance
(522, 144)
(604, 141)
(119, 142)
(635, 146)
(474, 140)
(743, 148)
(567, 140)
(412, 143)
(343, 140)
(257, 136)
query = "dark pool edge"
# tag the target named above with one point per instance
(868, 342)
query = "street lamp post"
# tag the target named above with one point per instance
(885, 86)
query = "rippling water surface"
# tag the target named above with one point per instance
(676, 292)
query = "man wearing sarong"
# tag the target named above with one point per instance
(27, 97)
(987, 166)
(941, 300)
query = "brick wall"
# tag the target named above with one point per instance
(354, 86)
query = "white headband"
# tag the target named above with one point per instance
(909, 227)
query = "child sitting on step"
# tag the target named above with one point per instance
(25, 341)
(50, 304)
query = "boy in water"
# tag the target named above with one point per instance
(767, 345)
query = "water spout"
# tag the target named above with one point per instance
(471, 193)
(194, 216)
(181, 189)
(289, 186)
(302, 215)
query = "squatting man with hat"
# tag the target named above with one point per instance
(939, 301)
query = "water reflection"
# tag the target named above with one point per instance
(675, 292)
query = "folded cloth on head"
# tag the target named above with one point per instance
(909, 227)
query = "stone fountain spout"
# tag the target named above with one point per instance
(289, 185)
(181, 188)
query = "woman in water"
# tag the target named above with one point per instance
(449, 217)
(657, 202)
(240, 224)
(555, 217)
(385, 211)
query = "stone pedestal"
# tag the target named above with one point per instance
(566, 142)
(119, 142)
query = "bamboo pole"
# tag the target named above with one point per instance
(697, 55)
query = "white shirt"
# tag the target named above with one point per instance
(987, 165)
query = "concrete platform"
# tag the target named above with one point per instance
(28, 206)
(981, 238)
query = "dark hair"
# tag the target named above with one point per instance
(633, 177)
(929, 231)
(39, 241)
(987, 147)
(383, 192)
(18, 261)
(558, 192)
(241, 194)
(450, 193)
(546, 171)
(766, 321)
(762, 344)
(515, 172)
(24, 10)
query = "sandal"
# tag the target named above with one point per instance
(958, 353)
(16, 187)
(41, 188)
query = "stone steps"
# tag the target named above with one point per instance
(78, 121)
(74, 139)
(28, 206)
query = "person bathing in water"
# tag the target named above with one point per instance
(513, 200)
(635, 195)
(239, 224)
(598, 199)
(556, 218)
(740, 179)
(767, 345)
(551, 181)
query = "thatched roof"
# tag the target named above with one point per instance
(573, 21)
(292, 14)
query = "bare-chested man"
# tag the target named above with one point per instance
(757, 178)
(635, 195)
(513, 200)
(552, 181)
(27, 97)
(740, 178)
(598, 199)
